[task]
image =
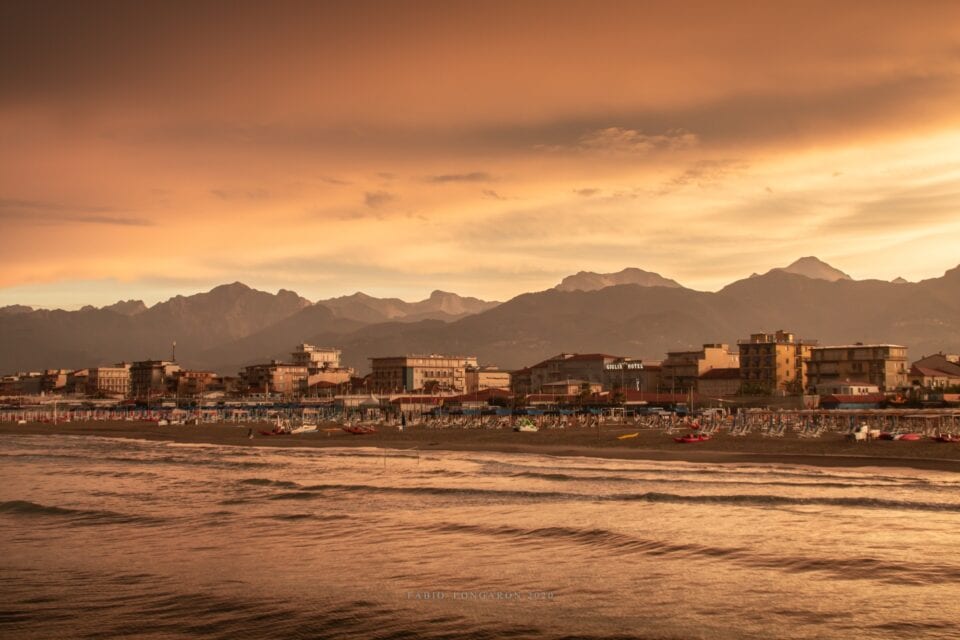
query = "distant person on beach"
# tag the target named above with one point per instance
(250, 433)
(403, 421)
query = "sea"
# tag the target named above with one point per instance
(120, 538)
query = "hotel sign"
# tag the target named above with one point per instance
(620, 366)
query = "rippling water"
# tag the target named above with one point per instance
(101, 538)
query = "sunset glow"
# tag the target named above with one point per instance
(148, 149)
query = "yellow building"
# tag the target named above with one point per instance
(774, 362)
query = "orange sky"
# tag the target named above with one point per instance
(154, 148)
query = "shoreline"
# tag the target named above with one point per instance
(831, 450)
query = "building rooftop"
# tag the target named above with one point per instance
(927, 371)
(858, 346)
(730, 373)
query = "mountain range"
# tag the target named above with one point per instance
(633, 312)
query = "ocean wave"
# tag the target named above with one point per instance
(566, 477)
(267, 482)
(847, 568)
(309, 492)
(307, 516)
(25, 508)
(762, 472)
(766, 500)
(438, 491)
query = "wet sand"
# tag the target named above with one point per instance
(831, 450)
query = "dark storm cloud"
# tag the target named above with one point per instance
(735, 122)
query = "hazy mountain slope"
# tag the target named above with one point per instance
(648, 321)
(590, 281)
(277, 341)
(90, 337)
(235, 325)
(441, 305)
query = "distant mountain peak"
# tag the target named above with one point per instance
(899, 280)
(814, 268)
(441, 305)
(233, 287)
(591, 281)
(15, 309)
(127, 307)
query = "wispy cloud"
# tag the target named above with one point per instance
(39, 212)
(7, 204)
(704, 173)
(490, 193)
(241, 194)
(376, 199)
(628, 141)
(119, 221)
(474, 176)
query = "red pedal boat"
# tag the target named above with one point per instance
(359, 431)
(699, 437)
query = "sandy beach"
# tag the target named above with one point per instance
(831, 450)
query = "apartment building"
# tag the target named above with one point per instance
(149, 378)
(188, 384)
(396, 374)
(323, 366)
(939, 371)
(719, 383)
(54, 380)
(109, 381)
(682, 369)
(883, 365)
(481, 378)
(307, 355)
(589, 367)
(774, 362)
(631, 374)
(77, 381)
(275, 377)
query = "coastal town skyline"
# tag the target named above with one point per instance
(155, 149)
(479, 319)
